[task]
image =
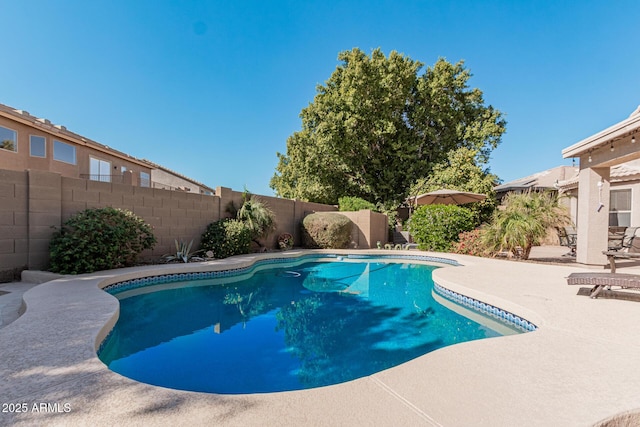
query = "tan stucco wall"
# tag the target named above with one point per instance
(162, 178)
(21, 159)
(289, 213)
(13, 223)
(370, 228)
(33, 203)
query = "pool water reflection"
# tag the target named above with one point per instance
(283, 328)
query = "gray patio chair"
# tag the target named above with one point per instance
(569, 238)
(622, 242)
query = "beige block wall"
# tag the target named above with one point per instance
(34, 203)
(14, 255)
(370, 228)
(289, 213)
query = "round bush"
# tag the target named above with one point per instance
(99, 239)
(226, 237)
(326, 230)
(437, 227)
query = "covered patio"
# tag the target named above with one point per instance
(598, 154)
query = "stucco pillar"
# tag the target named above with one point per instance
(593, 215)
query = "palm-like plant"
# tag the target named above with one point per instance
(525, 220)
(257, 217)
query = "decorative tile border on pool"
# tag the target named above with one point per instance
(488, 309)
(128, 285)
(426, 258)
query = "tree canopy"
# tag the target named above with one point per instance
(377, 125)
(461, 170)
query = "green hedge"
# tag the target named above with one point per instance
(352, 204)
(99, 239)
(437, 227)
(226, 237)
(326, 230)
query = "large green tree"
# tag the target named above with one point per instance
(378, 124)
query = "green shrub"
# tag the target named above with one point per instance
(99, 239)
(226, 237)
(352, 204)
(326, 230)
(436, 227)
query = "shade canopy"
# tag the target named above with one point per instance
(448, 197)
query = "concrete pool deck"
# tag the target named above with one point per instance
(578, 368)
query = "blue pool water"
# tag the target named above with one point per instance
(282, 328)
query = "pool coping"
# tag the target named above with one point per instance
(50, 358)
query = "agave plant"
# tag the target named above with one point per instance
(183, 252)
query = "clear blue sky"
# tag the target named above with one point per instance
(212, 89)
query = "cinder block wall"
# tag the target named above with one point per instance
(33, 203)
(370, 228)
(173, 215)
(289, 213)
(14, 245)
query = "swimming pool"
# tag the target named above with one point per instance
(284, 326)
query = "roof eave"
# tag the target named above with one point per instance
(618, 130)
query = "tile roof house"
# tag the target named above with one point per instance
(625, 187)
(539, 181)
(608, 186)
(29, 142)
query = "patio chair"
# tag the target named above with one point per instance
(622, 242)
(568, 237)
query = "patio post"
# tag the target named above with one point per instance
(593, 215)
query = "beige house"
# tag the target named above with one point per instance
(607, 186)
(624, 187)
(546, 180)
(31, 143)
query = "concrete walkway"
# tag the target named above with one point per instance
(11, 303)
(578, 368)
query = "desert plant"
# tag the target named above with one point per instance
(525, 219)
(226, 237)
(257, 217)
(99, 239)
(437, 227)
(183, 252)
(350, 204)
(326, 230)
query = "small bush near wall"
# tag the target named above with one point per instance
(354, 204)
(99, 239)
(326, 230)
(437, 227)
(226, 237)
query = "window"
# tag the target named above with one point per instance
(145, 179)
(64, 152)
(37, 146)
(99, 170)
(8, 139)
(620, 208)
